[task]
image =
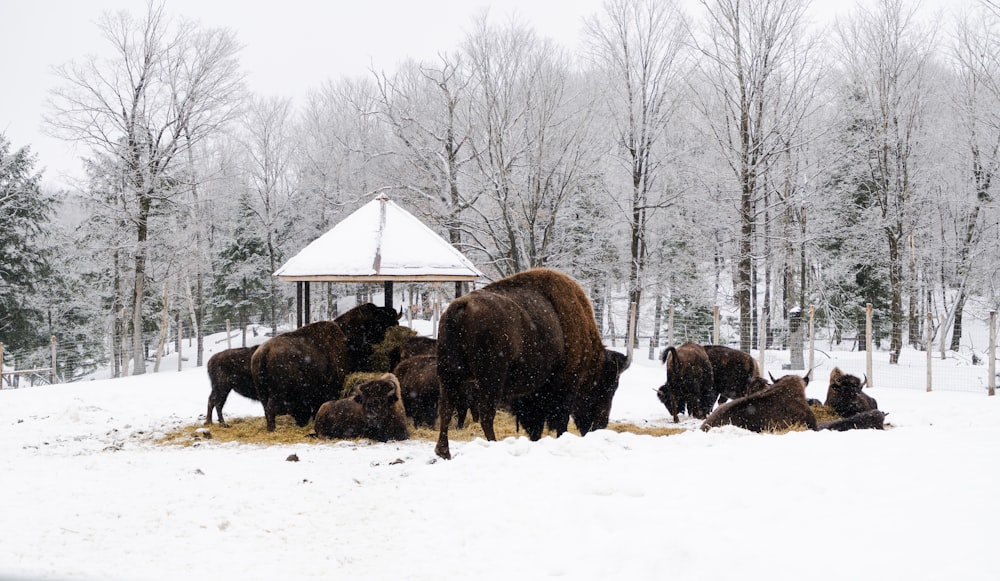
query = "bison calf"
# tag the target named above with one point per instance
(229, 370)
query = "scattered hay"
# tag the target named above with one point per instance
(357, 378)
(825, 413)
(254, 431)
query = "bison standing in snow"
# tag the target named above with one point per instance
(228, 371)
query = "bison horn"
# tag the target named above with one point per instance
(771, 376)
(865, 382)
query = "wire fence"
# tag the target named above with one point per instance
(931, 366)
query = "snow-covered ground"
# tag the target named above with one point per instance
(86, 494)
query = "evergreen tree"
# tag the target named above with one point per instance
(24, 213)
(240, 288)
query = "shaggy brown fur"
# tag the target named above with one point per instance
(421, 389)
(844, 394)
(732, 371)
(385, 415)
(229, 370)
(690, 384)
(530, 339)
(411, 347)
(374, 411)
(342, 419)
(869, 420)
(778, 407)
(296, 372)
(365, 325)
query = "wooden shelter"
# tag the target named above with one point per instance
(379, 242)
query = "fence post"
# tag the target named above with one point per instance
(1, 365)
(180, 345)
(762, 336)
(670, 326)
(868, 345)
(630, 340)
(229, 339)
(812, 336)
(52, 374)
(944, 335)
(715, 326)
(930, 347)
(992, 382)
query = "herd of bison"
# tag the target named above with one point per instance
(528, 344)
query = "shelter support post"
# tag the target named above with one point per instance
(388, 294)
(298, 305)
(306, 309)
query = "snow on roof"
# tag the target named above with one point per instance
(380, 241)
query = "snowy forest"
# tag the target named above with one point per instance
(737, 154)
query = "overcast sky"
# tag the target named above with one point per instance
(289, 47)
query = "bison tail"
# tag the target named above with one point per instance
(666, 353)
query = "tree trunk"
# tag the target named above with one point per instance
(139, 288)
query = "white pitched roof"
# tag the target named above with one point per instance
(379, 242)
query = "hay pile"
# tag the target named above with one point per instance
(254, 431)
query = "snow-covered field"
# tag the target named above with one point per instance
(86, 494)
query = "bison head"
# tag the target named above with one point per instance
(381, 402)
(668, 397)
(596, 408)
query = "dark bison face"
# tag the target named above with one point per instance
(668, 397)
(594, 415)
(381, 403)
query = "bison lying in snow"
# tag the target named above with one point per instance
(869, 420)
(844, 394)
(732, 371)
(229, 370)
(375, 412)
(530, 339)
(777, 407)
(421, 389)
(690, 384)
(296, 372)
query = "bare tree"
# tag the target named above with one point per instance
(976, 64)
(166, 87)
(425, 105)
(749, 92)
(886, 56)
(638, 45)
(529, 148)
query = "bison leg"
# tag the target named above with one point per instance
(216, 400)
(486, 415)
(270, 413)
(529, 413)
(444, 418)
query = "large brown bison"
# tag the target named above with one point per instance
(732, 371)
(777, 407)
(529, 339)
(844, 394)
(375, 411)
(690, 384)
(296, 372)
(418, 380)
(229, 370)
